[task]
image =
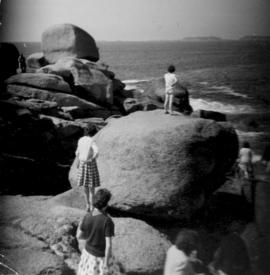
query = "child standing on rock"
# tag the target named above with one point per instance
(245, 160)
(88, 175)
(170, 81)
(96, 231)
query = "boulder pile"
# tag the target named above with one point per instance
(157, 166)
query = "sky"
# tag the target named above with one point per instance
(136, 20)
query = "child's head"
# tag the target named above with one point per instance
(187, 240)
(90, 131)
(246, 144)
(171, 69)
(101, 198)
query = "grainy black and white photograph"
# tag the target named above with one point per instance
(134, 137)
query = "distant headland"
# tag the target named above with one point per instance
(202, 38)
(255, 38)
(215, 38)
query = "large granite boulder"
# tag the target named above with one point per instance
(163, 166)
(68, 40)
(89, 83)
(9, 60)
(50, 82)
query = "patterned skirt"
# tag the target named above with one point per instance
(88, 174)
(92, 265)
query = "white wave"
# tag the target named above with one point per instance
(225, 90)
(250, 134)
(130, 87)
(199, 104)
(135, 81)
(203, 83)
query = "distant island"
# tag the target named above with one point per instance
(255, 38)
(202, 38)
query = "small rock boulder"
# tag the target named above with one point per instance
(207, 114)
(64, 40)
(35, 61)
(41, 81)
(132, 105)
(156, 90)
(86, 108)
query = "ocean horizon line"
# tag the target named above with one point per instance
(185, 39)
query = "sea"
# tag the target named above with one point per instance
(228, 76)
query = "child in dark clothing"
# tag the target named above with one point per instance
(96, 230)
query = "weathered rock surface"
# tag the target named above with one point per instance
(68, 40)
(35, 61)
(155, 91)
(63, 100)
(144, 246)
(50, 82)
(88, 83)
(33, 105)
(24, 251)
(48, 227)
(163, 166)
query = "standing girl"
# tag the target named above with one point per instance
(96, 231)
(88, 175)
(170, 81)
(245, 160)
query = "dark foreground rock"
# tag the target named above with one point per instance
(43, 226)
(9, 60)
(163, 166)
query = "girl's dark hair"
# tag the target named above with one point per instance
(101, 198)
(187, 240)
(171, 69)
(246, 144)
(90, 130)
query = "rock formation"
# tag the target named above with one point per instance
(88, 82)
(68, 40)
(9, 60)
(163, 166)
(47, 230)
(156, 166)
(35, 61)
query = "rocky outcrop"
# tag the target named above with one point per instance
(9, 60)
(48, 229)
(64, 40)
(35, 61)
(51, 82)
(155, 91)
(86, 108)
(88, 83)
(144, 246)
(163, 166)
(207, 114)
